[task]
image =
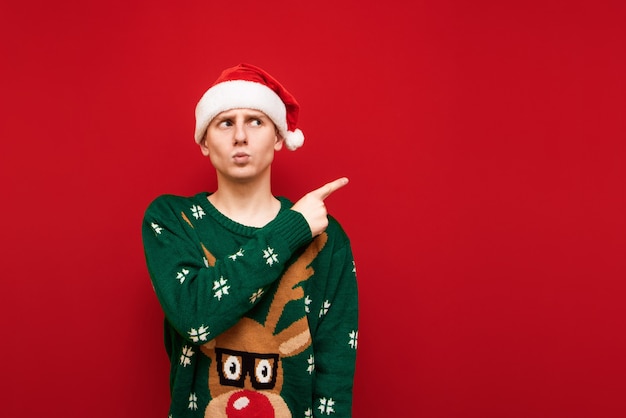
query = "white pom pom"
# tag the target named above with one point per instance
(294, 140)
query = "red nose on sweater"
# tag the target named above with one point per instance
(249, 404)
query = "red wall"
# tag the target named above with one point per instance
(484, 141)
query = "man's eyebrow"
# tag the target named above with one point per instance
(248, 114)
(222, 117)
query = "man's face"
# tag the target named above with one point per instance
(241, 144)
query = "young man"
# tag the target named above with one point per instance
(259, 295)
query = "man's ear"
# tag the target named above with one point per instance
(203, 147)
(279, 142)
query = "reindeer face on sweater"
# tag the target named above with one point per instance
(246, 375)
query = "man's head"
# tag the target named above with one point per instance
(248, 87)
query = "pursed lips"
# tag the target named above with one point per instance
(241, 157)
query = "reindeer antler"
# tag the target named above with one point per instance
(297, 273)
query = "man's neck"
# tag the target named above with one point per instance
(246, 203)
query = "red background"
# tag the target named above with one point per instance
(484, 141)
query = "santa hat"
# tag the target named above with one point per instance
(249, 87)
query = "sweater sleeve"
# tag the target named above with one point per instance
(202, 298)
(335, 341)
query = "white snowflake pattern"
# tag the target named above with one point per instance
(308, 413)
(182, 275)
(199, 334)
(193, 402)
(206, 262)
(325, 308)
(353, 267)
(311, 361)
(256, 295)
(185, 357)
(354, 336)
(270, 256)
(157, 228)
(237, 254)
(326, 406)
(219, 288)
(197, 211)
(307, 302)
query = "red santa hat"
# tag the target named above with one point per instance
(249, 87)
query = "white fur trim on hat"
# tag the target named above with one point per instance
(242, 94)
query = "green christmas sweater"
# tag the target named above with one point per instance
(259, 322)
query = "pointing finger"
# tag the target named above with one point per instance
(327, 189)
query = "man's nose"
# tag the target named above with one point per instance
(240, 134)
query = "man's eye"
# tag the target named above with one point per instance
(226, 123)
(256, 122)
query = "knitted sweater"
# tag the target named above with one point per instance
(259, 322)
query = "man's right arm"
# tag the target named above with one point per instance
(201, 298)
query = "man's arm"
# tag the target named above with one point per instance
(335, 340)
(201, 298)
(336, 336)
